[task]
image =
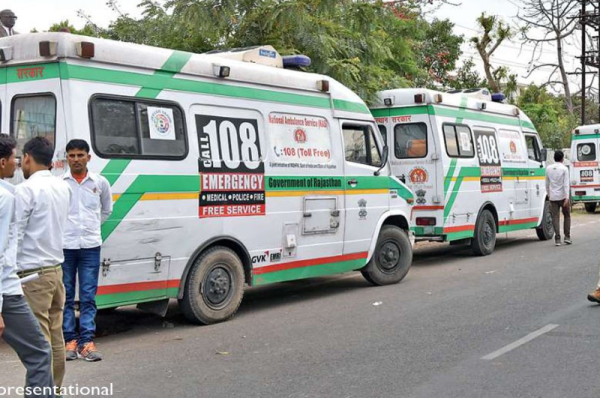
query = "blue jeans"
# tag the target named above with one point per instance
(84, 264)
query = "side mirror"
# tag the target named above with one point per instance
(544, 154)
(384, 159)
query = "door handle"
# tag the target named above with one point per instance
(352, 182)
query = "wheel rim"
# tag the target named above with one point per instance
(489, 235)
(389, 257)
(217, 286)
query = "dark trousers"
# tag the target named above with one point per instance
(22, 332)
(82, 265)
(555, 207)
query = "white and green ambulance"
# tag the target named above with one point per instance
(227, 169)
(476, 166)
(584, 169)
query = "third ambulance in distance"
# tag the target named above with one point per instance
(585, 174)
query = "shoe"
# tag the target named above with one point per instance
(595, 296)
(557, 243)
(89, 352)
(568, 241)
(71, 350)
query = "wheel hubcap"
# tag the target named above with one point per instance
(389, 256)
(217, 286)
(488, 234)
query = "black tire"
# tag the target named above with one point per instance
(392, 258)
(545, 231)
(590, 207)
(484, 241)
(214, 288)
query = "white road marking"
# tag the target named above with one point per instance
(519, 342)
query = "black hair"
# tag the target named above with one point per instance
(41, 150)
(7, 144)
(559, 156)
(78, 144)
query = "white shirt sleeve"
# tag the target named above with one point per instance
(6, 212)
(567, 184)
(106, 203)
(24, 208)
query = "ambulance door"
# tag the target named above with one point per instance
(33, 95)
(584, 169)
(536, 184)
(367, 194)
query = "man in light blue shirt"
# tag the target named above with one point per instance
(18, 326)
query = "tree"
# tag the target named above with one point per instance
(550, 22)
(494, 33)
(438, 52)
(87, 30)
(466, 77)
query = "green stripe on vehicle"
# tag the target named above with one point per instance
(448, 178)
(114, 168)
(585, 137)
(452, 236)
(176, 61)
(420, 231)
(516, 227)
(165, 80)
(405, 111)
(308, 272)
(145, 184)
(129, 298)
(582, 198)
(464, 101)
(460, 115)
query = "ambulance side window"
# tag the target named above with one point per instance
(459, 141)
(586, 152)
(410, 140)
(132, 128)
(33, 116)
(533, 149)
(360, 145)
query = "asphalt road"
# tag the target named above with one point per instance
(431, 336)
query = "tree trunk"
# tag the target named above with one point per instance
(488, 73)
(563, 75)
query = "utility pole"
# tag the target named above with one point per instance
(589, 18)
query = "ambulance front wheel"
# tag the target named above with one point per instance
(546, 230)
(392, 257)
(214, 288)
(484, 241)
(590, 207)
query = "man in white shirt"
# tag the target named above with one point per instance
(91, 204)
(18, 326)
(558, 190)
(7, 19)
(42, 203)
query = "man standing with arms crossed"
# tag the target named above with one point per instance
(18, 326)
(91, 204)
(42, 203)
(558, 190)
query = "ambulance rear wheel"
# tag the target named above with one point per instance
(546, 230)
(484, 241)
(214, 288)
(590, 207)
(392, 258)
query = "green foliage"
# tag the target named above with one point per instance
(88, 30)
(549, 116)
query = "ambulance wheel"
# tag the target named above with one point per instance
(546, 230)
(214, 288)
(590, 207)
(392, 258)
(484, 241)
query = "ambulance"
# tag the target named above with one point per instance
(228, 170)
(584, 169)
(476, 166)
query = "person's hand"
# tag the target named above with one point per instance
(567, 202)
(1, 325)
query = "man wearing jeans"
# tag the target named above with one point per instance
(91, 205)
(18, 326)
(558, 190)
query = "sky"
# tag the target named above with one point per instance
(40, 14)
